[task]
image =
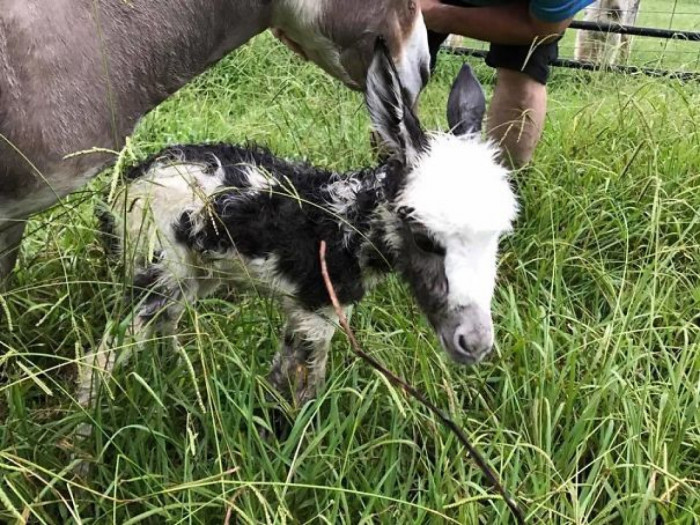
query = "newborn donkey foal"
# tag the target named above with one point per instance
(200, 216)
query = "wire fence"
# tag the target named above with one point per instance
(663, 39)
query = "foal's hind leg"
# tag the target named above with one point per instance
(99, 364)
(299, 368)
(96, 370)
(160, 296)
(159, 293)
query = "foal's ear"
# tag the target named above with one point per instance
(390, 107)
(467, 104)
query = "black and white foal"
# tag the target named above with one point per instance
(196, 217)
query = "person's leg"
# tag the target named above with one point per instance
(516, 115)
(519, 104)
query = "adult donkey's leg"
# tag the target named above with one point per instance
(629, 18)
(10, 239)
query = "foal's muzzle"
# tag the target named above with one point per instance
(466, 334)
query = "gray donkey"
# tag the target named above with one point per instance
(76, 75)
(195, 217)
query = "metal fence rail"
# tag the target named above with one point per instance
(691, 36)
(685, 76)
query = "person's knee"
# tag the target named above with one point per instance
(516, 116)
(519, 90)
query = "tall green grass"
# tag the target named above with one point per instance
(588, 409)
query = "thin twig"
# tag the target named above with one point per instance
(416, 394)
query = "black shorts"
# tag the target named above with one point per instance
(534, 61)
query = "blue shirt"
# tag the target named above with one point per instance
(545, 10)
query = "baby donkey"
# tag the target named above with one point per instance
(196, 217)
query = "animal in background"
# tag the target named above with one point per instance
(607, 48)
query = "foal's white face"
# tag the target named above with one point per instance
(339, 36)
(454, 206)
(450, 201)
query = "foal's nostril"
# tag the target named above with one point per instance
(424, 74)
(473, 341)
(442, 287)
(463, 344)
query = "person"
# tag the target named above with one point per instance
(524, 37)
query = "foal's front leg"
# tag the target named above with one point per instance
(299, 367)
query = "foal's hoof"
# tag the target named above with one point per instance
(82, 468)
(280, 425)
(81, 464)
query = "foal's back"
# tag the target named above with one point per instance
(203, 203)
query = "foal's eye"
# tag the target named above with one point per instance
(427, 244)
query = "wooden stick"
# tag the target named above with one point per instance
(416, 394)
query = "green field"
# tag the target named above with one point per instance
(589, 409)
